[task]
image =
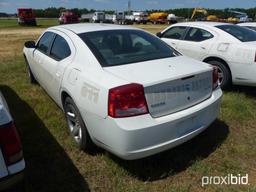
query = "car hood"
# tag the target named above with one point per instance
(158, 71)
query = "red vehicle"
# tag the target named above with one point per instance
(26, 16)
(68, 17)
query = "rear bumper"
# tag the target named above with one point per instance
(142, 136)
(16, 172)
(11, 181)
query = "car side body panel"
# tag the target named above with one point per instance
(239, 56)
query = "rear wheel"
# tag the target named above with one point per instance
(223, 72)
(76, 125)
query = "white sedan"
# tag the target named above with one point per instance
(12, 164)
(229, 47)
(123, 88)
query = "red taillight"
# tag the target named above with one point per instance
(215, 78)
(10, 143)
(126, 101)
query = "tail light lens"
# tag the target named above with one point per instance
(126, 101)
(215, 78)
(10, 143)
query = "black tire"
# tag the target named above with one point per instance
(224, 73)
(31, 77)
(81, 136)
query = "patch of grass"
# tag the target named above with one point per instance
(41, 23)
(55, 164)
(7, 23)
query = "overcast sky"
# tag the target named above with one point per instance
(10, 6)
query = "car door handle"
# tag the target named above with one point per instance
(173, 43)
(203, 48)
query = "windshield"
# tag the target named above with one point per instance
(241, 33)
(118, 47)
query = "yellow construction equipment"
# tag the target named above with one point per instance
(233, 20)
(158, 17)
(212, 18)
(204, 11)
(199, 10)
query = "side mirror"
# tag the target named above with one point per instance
(159, 34)
(30, 44)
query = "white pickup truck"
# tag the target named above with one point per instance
(12, 163)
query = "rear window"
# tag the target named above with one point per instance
(241, 33)
(251, 27)
(118, 47)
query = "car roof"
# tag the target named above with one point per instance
(203, 24)
(247, 24)
(89, 27)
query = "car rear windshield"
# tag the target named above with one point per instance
(119, 47)
(241, 33)
(251, 27)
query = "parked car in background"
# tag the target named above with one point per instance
(250, 25)
(123, 88)
(12, 163)
(229, 47)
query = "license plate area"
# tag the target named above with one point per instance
(188, 126)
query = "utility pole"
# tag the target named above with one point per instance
(129, 7)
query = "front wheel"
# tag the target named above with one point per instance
(76, 125)
(224, 74)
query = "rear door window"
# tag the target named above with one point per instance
(45, 42)
(60, 49)
(197, 35)
(241, 33)
(175, 33)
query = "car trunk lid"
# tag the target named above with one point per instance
(171, 84)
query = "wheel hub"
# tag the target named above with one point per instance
(74, 124)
